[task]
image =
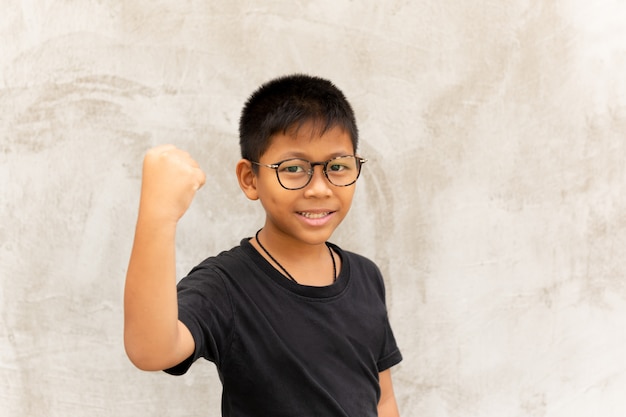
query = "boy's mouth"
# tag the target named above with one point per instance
(310, 215)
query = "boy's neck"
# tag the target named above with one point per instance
(306, 264)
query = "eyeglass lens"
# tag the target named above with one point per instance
(296, 173)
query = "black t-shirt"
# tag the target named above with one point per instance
(284, 349)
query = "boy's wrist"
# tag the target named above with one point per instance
(156, 219)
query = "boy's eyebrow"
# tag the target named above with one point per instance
(303, 155)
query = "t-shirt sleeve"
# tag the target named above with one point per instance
(390, 354)
(205, 308)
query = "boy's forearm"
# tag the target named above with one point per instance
(150, 305)
(387, 406)
(388, 409)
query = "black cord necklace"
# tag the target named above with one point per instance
(283, 268)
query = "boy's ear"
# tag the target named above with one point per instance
(247, 179)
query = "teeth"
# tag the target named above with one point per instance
(314, 215)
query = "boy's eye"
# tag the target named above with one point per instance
(337, 167)
(293, 167)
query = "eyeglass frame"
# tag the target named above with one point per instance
(324, 164)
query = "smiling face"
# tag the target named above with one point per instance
(309, 215)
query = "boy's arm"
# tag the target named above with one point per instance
(387, 406)
(153, 337)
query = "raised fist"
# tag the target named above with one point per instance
(170, 180)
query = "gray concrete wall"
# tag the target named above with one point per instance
(493, 200)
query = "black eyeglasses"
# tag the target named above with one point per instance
(296, 173)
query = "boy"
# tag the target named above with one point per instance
(295, 325)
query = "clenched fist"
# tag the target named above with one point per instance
(170, 180)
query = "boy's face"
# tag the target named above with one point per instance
(311, 214)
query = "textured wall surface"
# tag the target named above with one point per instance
(493, 200)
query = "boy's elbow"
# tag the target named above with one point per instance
(142, 356)
(142, 364)
(154, 355)
(140, 360)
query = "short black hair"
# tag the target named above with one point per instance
(287, 103)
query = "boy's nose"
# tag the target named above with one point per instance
(319, 184)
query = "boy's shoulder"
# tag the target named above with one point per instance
(354, 258)
(229, 258)
(363, 268)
